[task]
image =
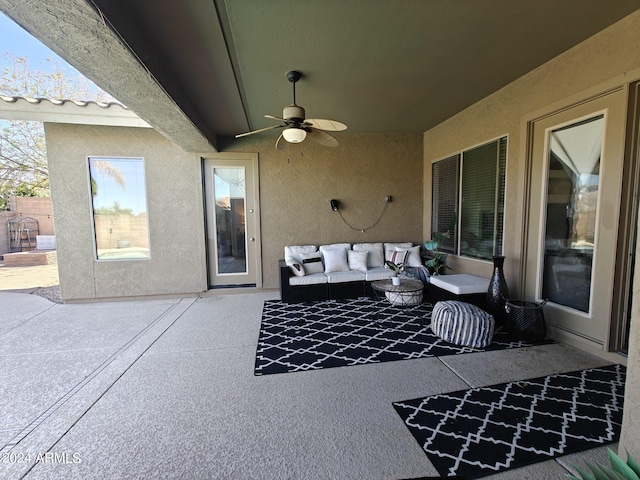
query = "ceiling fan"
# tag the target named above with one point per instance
(296, 127)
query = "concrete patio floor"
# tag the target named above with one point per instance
(164, 388)
(26, 278)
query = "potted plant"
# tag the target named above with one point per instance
(397, 268)
(618, 470)
(438, 259)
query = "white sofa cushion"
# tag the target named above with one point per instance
(461, 283)
(335, 246)
(413, 258)
(293, 253)
(376, 253)
(358, 260)
(335, 260)
(379, 273)
(310, 279)
(348, 276)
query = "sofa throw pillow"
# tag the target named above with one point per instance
(399, 256)
(335, 260)
(389, 248)
(376, 253)
(357, 260)
(312, 263)
(297, 268)
(413, 256)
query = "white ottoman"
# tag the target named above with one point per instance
(462, 324)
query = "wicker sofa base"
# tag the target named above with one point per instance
(322, 291)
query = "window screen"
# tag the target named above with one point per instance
(445, 199)
(471, 184)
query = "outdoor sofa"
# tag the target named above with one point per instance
(340, 270)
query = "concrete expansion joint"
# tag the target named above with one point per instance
(78, 400)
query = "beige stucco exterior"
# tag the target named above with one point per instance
(174, 198)
(296, 185)
(607, 59)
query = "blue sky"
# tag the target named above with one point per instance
(18, 42)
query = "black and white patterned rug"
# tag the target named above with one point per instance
(314, 335)
(482, 431)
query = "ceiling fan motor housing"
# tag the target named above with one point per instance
(293, 112)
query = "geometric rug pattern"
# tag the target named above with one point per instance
(326, 334)
(482, 431)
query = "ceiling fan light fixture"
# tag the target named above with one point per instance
(294, 134)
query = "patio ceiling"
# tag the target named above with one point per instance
(212, 68)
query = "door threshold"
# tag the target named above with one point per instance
(224, 287)
(237, 290)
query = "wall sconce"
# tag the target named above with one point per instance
(335, 206)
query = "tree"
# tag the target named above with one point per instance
(23, 158)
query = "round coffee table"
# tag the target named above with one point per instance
(407, 294)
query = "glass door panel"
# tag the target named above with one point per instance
(573, 165)
(231, 236)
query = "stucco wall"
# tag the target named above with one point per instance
(610, 54)
(296, 185)
(174, 199)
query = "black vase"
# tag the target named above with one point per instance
(498, 292)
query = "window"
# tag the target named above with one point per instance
(119, 202)
(471, 184)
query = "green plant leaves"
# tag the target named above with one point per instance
(620, 466)
(619, 471)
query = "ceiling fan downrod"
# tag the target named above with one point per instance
(293, 76)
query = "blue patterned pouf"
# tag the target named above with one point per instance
(462, 324)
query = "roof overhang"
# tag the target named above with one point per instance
(68, 111)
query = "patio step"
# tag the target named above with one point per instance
(28, 259)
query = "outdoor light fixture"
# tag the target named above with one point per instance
(335, 206)
(294, 134)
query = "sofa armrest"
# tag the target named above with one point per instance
(285, 274)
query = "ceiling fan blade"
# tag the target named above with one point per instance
(274, 118)
(281, 143)
(322, 138)
(259, 130)
(322, 124)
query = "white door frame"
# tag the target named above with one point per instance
(598, 338)
(252, 219)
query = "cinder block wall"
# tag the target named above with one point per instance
(38, 208)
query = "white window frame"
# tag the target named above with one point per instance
(132, 257)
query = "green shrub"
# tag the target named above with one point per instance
(619, 470)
